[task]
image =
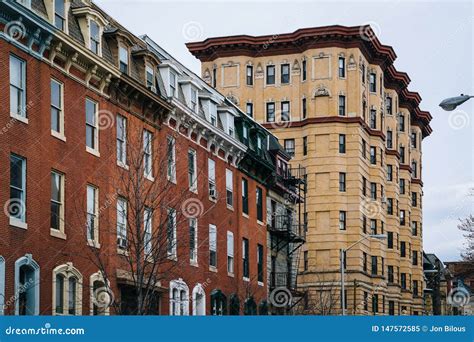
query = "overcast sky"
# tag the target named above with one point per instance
(434, 45)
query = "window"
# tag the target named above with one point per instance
(193, 240)
(364, 261)
(364, 186)
(259, 200)
(305, 146)
(245, 196)
(373, 191)
(388, 105)
(121, 140)
(342, 181)
(374, 265)
(390, 173)
(372, 83)
(342, 220)
(214, 77)
(415, 287)
(401, 122)
(415, 258)
(192, 170)
(391, 307)
(218, 303)
(148, 154)
(366, 301)
(179, 298)
(59, 14)
(375, 303)
(172, 84)
(245, 258)
(342, 67)
(390, 274)
(17, 202)
(303, 71)
(230, 252)
(171, 238)
(413, 140)
(67, 290)
(305, 260)
(364, 149)
(27, 286)
(402, 186)
(229, 186)
(373, 226)
(389, 139)
(92, 134)
(270, 74)
(414, 228)
(270, 111)
(390, 240)
(171, 159)
(285, 111)
(403, 252)
(260, 262)
(212, 245)
(147, 232)
(402, 217)
(92, 214)
(373, 155)
(285, 73)
(94, 37)
(57, 115)
(57, 201)
(390, 206)
(211, 176)
(373, 119)
(414, 200)
(259, 145)
(121, 223)
(364, 224)
(17, 87)
(289, 146)
(402, 154)
(249, 75)
(362, 70)
(414, 169)
(150, 78)
(403, 281)
(342, 143)
(123, 59)
(194, 100)
(342, 105)
(303, 108)
(249, 109)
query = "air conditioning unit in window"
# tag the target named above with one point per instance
(384, 199)
(213, 194)
(152, 88)
(121, 242)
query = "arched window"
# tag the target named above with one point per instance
(218, 303)
(67, 290)
(179, 298)
(101, 295)
(27, 286)
(199, 301)
(2, 285)
(234, 305)
(250, 307)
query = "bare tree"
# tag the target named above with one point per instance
(322, 299)
(467, 226)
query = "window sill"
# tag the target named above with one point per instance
(58, 135)
(213, 269)
(260, 223)
(92, 151)
(122, 251)
(246, 279)
(150, 178)
(171, 180)
(19, 118)
(57, 233)
(230, 274)
(14, 222)
(230, 207)
(213, 199)
(245, 215)
(193, 190)
(122, 165)
(93, 243)
(260, 283)
(193, 263)
(172, 257)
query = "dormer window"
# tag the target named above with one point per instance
(59, 14)
(172, 84)
(213, 115)
(245, 134)
(94, 37)
(194, 104)
(150, 78)
(123, 59)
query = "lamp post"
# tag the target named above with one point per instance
(451, 103)
(343, 253)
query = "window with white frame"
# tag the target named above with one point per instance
(171, 232)
(92, 214)
(121, 140)
(67, 290)
(179, 298)
(229, 186)
(245, 259)
(94, 37)
(193, 240)
(57, 114)
(172, 84)
(285, 111)
(342, 220)
(212, 245)
(57, 201)
(17, 203)
(17, 87)
(192, 170)
(123, 59)
(230, 252)
(148, 154)
(59, 15)
(92, 134)
(171, 159)
(121, 223)
(150, 78)
(147, 232)
(194, 99)
(211, 175)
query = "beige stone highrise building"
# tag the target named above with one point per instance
(335, 100)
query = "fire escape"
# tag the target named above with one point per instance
(288, 229)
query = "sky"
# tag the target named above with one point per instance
(434, 43)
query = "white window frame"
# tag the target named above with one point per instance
(97, 40)
(179, 306)
(20, 205)
(172, 84)
(59, 108)
(93, 210)
(230, 253)
(212, 244)
(229, 187)
(122, 215)
(21, 111)
(194, 100)
(171, 227)
(95, 128)
(211, 175)
(150, 71)
(122, 141)
(193, 252)
(123, 58)
(192, 176)
(68, 271)
(171, 159)
(148, 154)
(147, 233)
(59, 232)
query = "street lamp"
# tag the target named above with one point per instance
(343, 253)
(451, 103)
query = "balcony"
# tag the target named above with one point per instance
(287, 227)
